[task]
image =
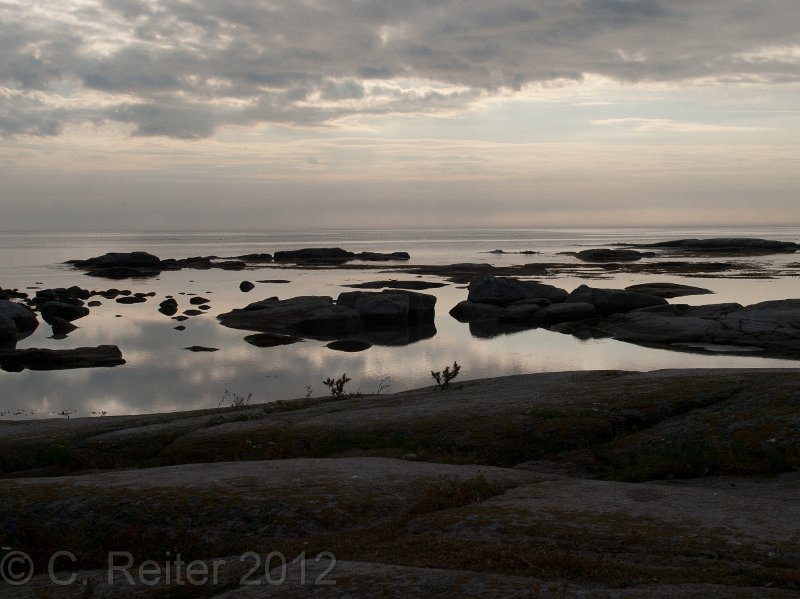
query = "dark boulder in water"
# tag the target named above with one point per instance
(168, 307)
(119, 260)
(246, 286)
(68, 312)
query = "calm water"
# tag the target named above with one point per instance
(162, 376)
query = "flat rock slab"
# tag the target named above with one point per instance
(394, 284)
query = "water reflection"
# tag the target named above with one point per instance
(160, 375)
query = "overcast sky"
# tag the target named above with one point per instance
(265, 114)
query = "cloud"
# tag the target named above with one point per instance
(183, 69)
(647, 125)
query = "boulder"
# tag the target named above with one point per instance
(306, 314)
(119, 260)
(168, 307)
(606, 255)
(8, 331)
(68, 312)
(613, 301)
(566, 312)
(667, 290)
(521, 312)
(61, 326)
(315, 255)
(197, 300)
(502, 291)
(390, 307)
(467, 311)
(60, 359)
(24, 319)
(246, 286)
(377, 309)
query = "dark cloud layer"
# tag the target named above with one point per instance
(182, 69)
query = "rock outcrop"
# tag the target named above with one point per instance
(502, 291)
(387, 318)
(606, 255)
(737, 246)
(613, 301)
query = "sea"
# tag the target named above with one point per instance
(160, 375)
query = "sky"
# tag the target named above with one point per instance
(291, 114)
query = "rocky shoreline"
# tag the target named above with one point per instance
(579, 484)
(496, 304)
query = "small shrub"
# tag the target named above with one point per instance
(384, 385)
(237, 401)
(337, 386)
(444, 377)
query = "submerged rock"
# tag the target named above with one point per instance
(271, 339)
(349, 345)
(667, 290)
(200, 348)
(380, 257)
(60, 359)
(394, 284)
(246, 286)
